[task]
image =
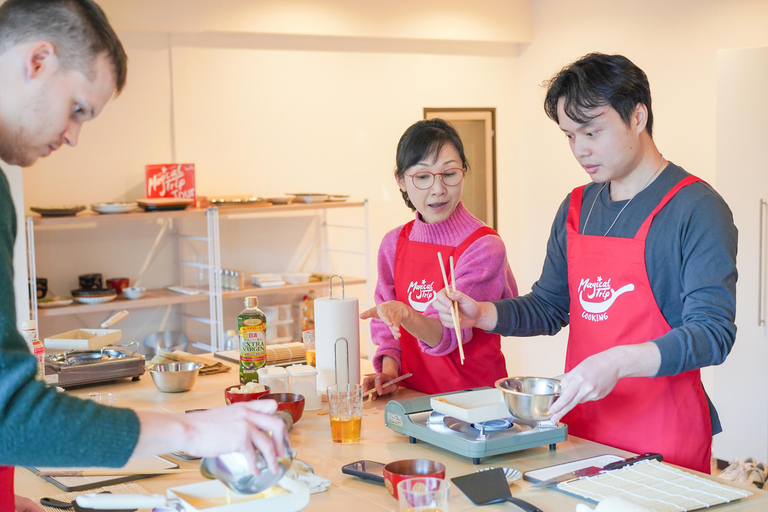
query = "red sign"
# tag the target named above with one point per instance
(171, 180)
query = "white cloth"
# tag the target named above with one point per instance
(613, 504)
(303, 472)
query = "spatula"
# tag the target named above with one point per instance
(488, 487)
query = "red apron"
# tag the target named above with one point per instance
(612, 304)
(417, 281)
(7, 498)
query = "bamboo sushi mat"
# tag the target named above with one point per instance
(114, 489)
(656, 486)
(285, 352)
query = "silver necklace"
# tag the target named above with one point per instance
(584, 230)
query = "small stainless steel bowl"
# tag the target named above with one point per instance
(529, 398)
(174, 377)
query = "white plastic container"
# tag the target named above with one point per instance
(274, 377)
(302, 379)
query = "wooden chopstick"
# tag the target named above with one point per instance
(373, 390)
(115, 472)
(454, 306)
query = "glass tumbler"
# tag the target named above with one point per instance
(308, 337)
(423, 494)
(345, 408)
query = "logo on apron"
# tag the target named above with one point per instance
(421, 294)
(597, 297)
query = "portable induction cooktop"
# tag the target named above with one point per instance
(79, 367)
(416, 418)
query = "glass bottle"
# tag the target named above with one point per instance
(252, 330)
(308, 312)
(29, 330)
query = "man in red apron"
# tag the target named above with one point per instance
(640, 264)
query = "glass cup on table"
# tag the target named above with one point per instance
(345, 408)
(423, 494)
(308, 337)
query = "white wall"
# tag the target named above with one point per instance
(321, 106)
(675, 43)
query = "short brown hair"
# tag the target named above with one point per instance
(78, 29)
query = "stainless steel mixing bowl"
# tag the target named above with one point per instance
(529, 398)
(174, 377)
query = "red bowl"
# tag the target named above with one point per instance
(399, 470)
(232, 398)
(291, 402)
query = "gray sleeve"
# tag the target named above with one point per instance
(703, 331)
(545, 309)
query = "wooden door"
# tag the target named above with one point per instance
(477, 129)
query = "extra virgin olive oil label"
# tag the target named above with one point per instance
(252, 327)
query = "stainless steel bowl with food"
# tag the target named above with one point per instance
(174, 377)
(529, 398)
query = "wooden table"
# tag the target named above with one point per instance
(311, 437)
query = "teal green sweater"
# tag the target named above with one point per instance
(39, 426)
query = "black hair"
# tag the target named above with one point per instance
(596, 80)
(78, 29)
(421, 140)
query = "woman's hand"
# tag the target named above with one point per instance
(393, 313)
(389, 370)
(26, 505)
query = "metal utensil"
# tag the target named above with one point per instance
(529, 398)
(489, 487)
(234, 470)
(592, 470)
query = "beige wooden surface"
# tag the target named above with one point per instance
(311, 438)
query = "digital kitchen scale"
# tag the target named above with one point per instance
(415, 418)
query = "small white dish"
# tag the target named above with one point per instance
(510, 474)
(54, 302)
(281, 199)
(110, 208)
(134, 292)
(96, 300)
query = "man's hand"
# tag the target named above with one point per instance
(393, 313)
(471, 314)
(598, 374)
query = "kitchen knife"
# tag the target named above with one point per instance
(592, 470)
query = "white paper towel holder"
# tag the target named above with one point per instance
(330, 287)
(336, 343)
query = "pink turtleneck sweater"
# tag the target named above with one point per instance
(482, 272)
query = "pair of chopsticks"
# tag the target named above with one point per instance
(115, 472)
(373, 390)
(454, 305)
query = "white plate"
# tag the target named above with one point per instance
(114, 207)
(96, 300)
(54, 302)
(472, 406)
(336, 198)
(311, 198)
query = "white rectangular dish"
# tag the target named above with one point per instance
(83, 339)
(205, 495)
(472, 406)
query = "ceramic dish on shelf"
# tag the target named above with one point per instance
(281, 199)
(58, 211)
(237, 201)
(54, 302)
(337, 198)
(114, 207)
(134, 292)
(158, 204)
(310, 198)
(101, 299)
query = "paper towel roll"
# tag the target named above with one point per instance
(337, 362)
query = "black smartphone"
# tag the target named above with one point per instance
(366, 469)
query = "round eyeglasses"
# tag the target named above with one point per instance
(423, 180)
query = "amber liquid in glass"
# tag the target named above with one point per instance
(424, 509)
(311, 358)
(345, 430)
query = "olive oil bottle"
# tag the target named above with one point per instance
(252, 331)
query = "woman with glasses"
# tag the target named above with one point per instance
(409, 336)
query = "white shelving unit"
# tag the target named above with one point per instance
(199, 253)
